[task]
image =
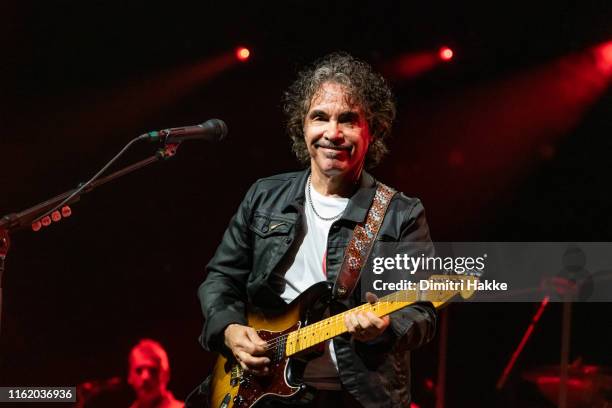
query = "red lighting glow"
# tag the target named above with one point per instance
(604, 57)
(445, 54)
(606, 52)
(243, 53)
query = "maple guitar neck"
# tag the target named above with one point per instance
(333, 326)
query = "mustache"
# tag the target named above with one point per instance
(333, 146)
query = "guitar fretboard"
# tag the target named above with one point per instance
(333, 326)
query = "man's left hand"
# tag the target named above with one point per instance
(366, 326)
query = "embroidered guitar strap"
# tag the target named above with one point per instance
(361, 243)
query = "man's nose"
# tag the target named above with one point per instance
(333, 132)
(145, 375)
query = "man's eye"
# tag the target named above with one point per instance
(317, 116)
(349, 118)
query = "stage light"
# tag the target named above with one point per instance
(604, 57)
(445, 54)
(606, 52)
(243, 53)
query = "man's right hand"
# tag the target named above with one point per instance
(246, 345)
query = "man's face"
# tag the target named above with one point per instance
(146, 377)
(336, 134)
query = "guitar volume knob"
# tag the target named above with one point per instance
(238, 400)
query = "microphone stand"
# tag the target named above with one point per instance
(24, 219)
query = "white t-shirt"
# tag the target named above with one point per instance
(307, 269)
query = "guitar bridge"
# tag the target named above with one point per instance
(236, 375)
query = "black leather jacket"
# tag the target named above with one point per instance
(377, 374)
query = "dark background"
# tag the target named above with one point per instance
(80, 79)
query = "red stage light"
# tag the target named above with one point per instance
(243, 53)
(604, 57)
(606, 52)
(445, 54)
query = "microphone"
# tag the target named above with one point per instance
(213, 130)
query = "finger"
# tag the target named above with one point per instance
(364, 321)
(252, 362)
(371, 297)
(255, 339)
(349, 324)
(244, 366)
(369, 331)
(240, 337)
(355, 321)
(364, 331)
(247, 369)
(378, 322)
(242, 342)
(239, 360)
(247, 346)
(253, 349)
(256, 362)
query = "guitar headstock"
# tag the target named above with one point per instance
(469, 290)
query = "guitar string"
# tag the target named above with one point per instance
(306, 332)
(396, 296)
(334, 319)
(401, 296)
(307, 329)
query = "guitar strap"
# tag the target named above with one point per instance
(361, 243)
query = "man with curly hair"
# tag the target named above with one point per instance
(291, 231)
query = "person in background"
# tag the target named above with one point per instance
(149, 373)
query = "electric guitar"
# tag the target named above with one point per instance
(292, 335)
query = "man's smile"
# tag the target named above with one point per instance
(333, 147)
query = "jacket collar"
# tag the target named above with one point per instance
(357, 207)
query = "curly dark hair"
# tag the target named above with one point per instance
(365, 87)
